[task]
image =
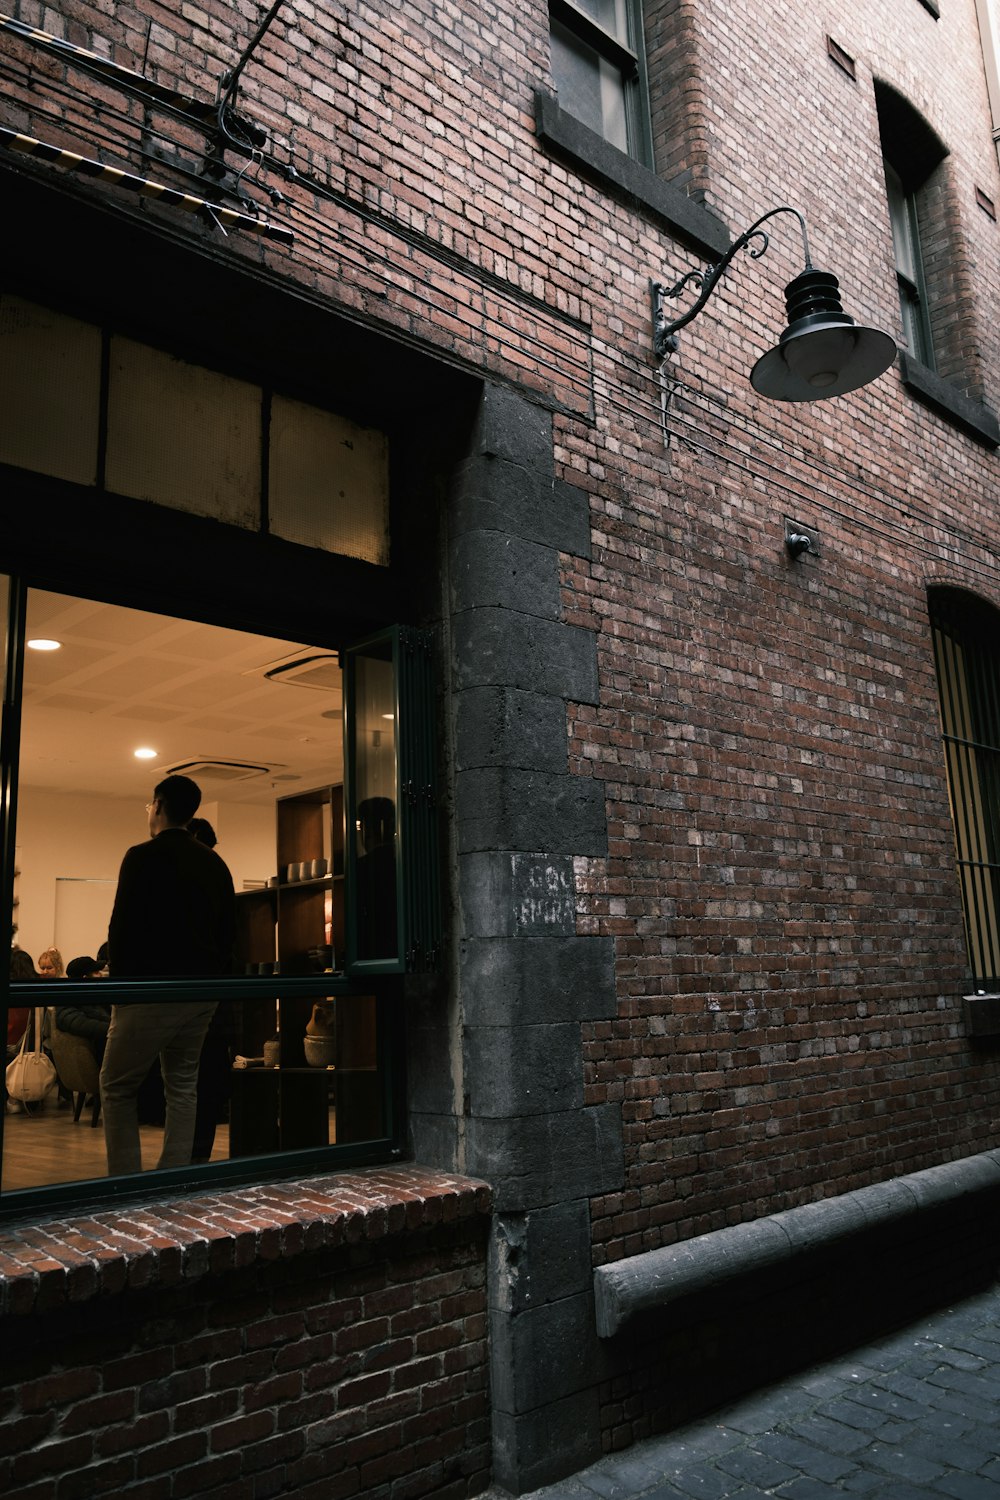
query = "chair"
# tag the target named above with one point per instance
(77, 1068)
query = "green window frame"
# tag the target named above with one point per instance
(393, 908)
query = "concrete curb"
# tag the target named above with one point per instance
(644, 1283)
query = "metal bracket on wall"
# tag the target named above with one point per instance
(800, 539)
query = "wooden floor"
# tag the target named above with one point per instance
(46, 1146)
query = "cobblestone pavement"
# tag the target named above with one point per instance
(911, 1416)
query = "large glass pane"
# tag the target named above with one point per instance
(968, 670)
(612, 15)
(182, 435)
(328, 482)
(274, 1056)
(590, 88)
(903, 239)
(375, 812)
(50, 391)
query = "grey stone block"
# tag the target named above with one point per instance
(572, 509)
(504, 726)
(494, 568)
(543, 1353)
(539, 1447)
(528, 1070)
(430, 1075)
(540, 1256)
(434, 1140)
(626, 1288)
(490, 494)
(501, 807)
(499, 648)
(538, 1160)
(508, 426)
(504, 894)
(515, 982)
(954, 1180)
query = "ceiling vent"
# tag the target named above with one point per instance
(312, 669)
(218, 770)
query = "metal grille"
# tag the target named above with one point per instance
(967, 654)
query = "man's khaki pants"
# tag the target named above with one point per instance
(138, 1035)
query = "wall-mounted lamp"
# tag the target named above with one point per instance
(821, 353)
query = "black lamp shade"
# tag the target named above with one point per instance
(822, 352)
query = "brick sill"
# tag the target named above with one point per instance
(176, 1241)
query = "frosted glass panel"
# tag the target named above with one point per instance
(329, 482)
(50, 387)
(183, 436)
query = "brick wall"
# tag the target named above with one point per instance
(780, 880)
(322, 1339)
(778, 883)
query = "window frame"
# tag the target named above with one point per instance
(418, 905)
(629, 60)
(386, 985)
(911, 281)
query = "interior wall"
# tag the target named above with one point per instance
(63, 837)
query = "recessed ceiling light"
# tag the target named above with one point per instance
(43, 645)
(144, 753)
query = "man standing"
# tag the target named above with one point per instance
(174, 915)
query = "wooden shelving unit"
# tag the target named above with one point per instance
(297, 927)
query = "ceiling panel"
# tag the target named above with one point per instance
(123, 678)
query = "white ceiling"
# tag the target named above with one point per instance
(124, 679)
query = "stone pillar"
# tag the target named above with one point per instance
(525, 980)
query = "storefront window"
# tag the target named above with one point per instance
(291, 1052)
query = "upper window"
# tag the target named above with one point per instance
(251, 457)
(912, 155)
(966, 631)
(909, 266)
(599, 72)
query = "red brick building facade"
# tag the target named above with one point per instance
(706, 950)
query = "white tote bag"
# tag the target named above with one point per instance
(31, 1075)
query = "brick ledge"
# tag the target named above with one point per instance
(178, 1240)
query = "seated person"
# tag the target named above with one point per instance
(50, 964)
(89, 1021)
(84, 968)
(18, 1017)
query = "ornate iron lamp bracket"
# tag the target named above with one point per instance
(664, 330)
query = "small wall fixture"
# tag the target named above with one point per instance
(800, 539)
(821, 353)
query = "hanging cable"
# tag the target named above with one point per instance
(230, 81)
(225, 218)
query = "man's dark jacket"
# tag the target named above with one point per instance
(174, 912)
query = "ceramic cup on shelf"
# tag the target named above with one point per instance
(317, 869)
